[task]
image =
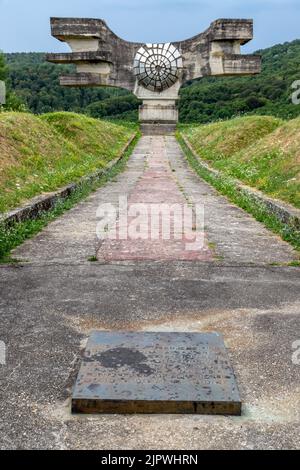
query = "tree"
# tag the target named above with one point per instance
(113, 106)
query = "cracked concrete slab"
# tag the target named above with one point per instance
(48, 311)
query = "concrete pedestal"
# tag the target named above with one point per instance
(158, 117)
(157, 111)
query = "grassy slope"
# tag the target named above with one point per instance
(13, 235)
(263, 152)
(41, 154)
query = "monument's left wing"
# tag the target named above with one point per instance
(101, 57)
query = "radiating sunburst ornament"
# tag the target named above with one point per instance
(157, 66)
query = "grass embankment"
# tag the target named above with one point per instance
(262, 152)
(39, 154)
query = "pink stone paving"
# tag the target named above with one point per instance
(157, 185)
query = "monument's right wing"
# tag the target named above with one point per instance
(217, 51)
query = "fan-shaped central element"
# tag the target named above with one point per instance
(157, 66)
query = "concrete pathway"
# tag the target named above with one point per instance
(158, 172)
(49, 305)
(161, 235)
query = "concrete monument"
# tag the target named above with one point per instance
(153, 72)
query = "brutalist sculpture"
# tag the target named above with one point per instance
(153, 72)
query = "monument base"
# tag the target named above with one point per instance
(158, 117)
(162, 111)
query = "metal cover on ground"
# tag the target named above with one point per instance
(156, 373)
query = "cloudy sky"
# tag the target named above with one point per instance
(24, 24)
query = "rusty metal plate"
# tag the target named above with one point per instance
(156, 373)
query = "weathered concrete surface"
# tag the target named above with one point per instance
(152, 373)
(50, 304)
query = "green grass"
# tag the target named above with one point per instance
(39, 154)
(14, 235)
(263, 152)
(294, 264)
(227, 186)
(93, 259)
(220, 140)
